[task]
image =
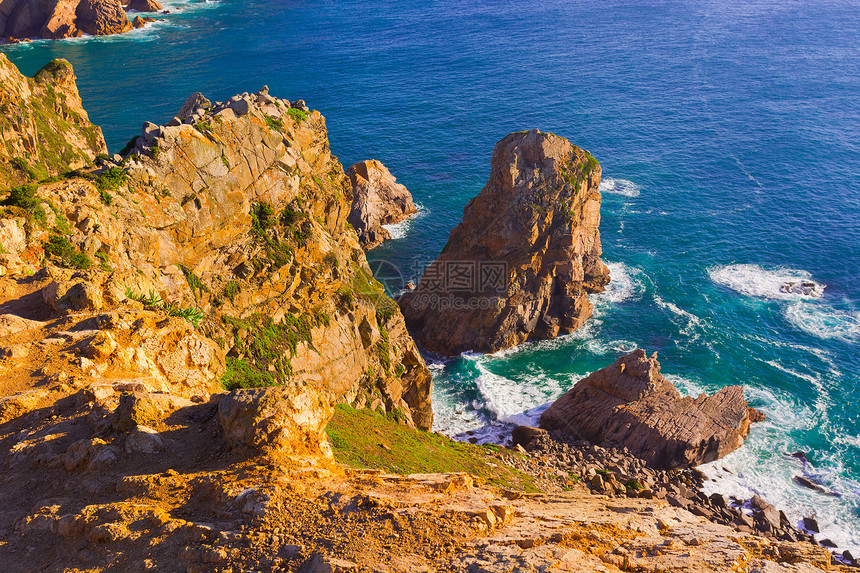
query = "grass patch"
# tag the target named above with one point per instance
(274, 124)
(63, 251)
(196, 285)
(298, 115)
(267, 343)
(231, 289)
(357, 437)
(153, 301)
(110, 180)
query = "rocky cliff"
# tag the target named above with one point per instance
(631, 404)
(44, 129)
(377, 200)
(233, 217)
(521, 263)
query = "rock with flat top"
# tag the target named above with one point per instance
(631, 404)
(377, 199)
(144, 5)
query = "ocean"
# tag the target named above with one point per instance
(729, 136)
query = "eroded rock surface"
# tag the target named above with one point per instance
(631, 404)
(377, 200)
(43, 125)
(521, 263)
(55, 19)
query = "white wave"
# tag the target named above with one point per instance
(621, 187)
(625, 284)
(824, 321)
(755, 281)
(401, 229)
(690, 323)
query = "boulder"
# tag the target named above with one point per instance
(521, 263)
(101, 17)
(289, 420)
(195, 101)
(631, 404)
(377, 199)
(144, 5)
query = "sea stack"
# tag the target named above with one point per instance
(523, 260)
(631, 404)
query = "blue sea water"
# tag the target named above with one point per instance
(729, 135)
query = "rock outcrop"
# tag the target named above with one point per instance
(144, 5)
(234, 219)
(44, 128)
(377, 200)
(521, 263)
(55, 19)
(632, 405)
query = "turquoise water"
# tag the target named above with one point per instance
(729, 135)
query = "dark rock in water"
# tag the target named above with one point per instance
(631, 404)
(809, 484)
(826, 543)
(811, 524)
(848, 557)
(801, 456)
(523, 260)
(758, 502)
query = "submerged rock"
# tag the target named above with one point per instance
(631, 404)
(377, 199)
(521, 263)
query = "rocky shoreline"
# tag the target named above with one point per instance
(200, 373)
(615, 472)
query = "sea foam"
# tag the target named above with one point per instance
(756, 281)
(621, 187)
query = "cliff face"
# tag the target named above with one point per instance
(235, 219)
(521, 263)
(44, 129)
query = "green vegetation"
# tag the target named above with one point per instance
(274, 123)
(204, 127)
(358, 436)
(262, 219)
(61, 249)
(110, 180)
(266, 343)
(385, 309)
(298, 115)
(129, 146)
(196, 285)
(24, 197)
(35, 172)
(153, 301)
(231, 289)
(383, 350)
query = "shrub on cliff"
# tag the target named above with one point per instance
(65, 253)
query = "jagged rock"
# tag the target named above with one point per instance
(521, 263)
(377, 199)
(144, 5)
(46, 130)
(284, 419)
(101, 17)
(195, 101)
(630, 403)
